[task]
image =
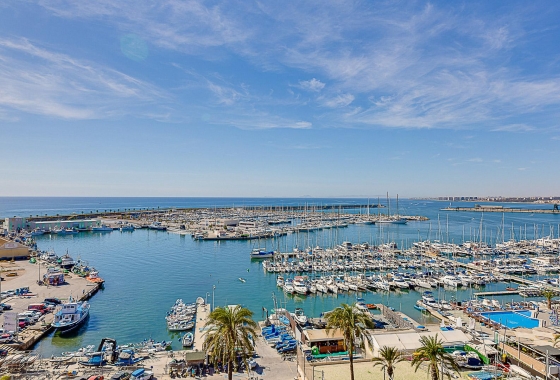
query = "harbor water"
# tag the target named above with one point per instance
(146, 271)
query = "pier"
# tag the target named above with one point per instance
(477, 208)
(496, 293)
(202, 312)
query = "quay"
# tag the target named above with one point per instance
(478, 208)
(202, 313)
(496, 293)
(75, 286)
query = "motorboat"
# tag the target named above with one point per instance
(361, 304)
(187, 340)
(157, 226)
(300, 286)
(70, 315)
(289, 286)
(300, 317)
(280, 281)
(260, 253)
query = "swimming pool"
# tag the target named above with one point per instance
(512, 319)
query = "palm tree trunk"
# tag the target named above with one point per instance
(230, 370)
(351, 357)
(549, 303)
(390, 372)
(435, 371)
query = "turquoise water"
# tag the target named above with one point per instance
(146, 271)
(512, 319)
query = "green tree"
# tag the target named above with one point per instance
(556, 340)
(432, 351)
(549, 294)
(229, 334)
(388, 357)
(352, 322)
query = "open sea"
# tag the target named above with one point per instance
(146, 271)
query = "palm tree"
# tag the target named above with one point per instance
(556, 340)
(352, 322)
(229, 333)
(432, 351)
(388, 357)
(549, 294)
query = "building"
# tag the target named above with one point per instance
(10, 250)
(16, 224)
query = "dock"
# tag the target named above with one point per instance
(202, 312)
(554, 210)
(496, 293)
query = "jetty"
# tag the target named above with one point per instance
(486, 208)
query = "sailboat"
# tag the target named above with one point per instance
(393, 220)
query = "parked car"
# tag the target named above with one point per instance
(5, 306)
(95, 377)
(54, 301)
(121, 376)
(3, 352)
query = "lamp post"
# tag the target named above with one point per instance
(213, 288)
(206, 302)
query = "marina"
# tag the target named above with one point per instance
(385, 267)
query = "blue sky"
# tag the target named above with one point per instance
(243, 98)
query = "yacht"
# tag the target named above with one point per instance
(280, 281)
(70, 315)
(289, 286)
(260, 253)
(300, 286)
(451, 281)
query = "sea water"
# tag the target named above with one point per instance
(146, 271)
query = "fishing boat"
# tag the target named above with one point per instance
(187, 340)
(102, 228)
(93, 276)
(127, 358)
(127, 227)
(70, 315)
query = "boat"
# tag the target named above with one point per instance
(70, 315)
(127, 227)
(102, 228)
(126, 358)
(96, 359)
(260, 253)
(520, 371)
(280, 281)
(188, 339)
(300, 317)
(242, 279)
(361, 304)
(66, 261)
(157, 226)
(93, 276)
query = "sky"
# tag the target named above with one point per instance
(279, 99)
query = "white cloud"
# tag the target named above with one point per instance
(514, 128)
(477, 159)
(35, 80)
(341, 100)
(312, 85)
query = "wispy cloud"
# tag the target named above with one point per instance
(341, 100)
(421, 66)
(64, 87)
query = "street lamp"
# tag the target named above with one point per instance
(206, 302)
(213, 288)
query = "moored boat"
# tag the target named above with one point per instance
(70, 315)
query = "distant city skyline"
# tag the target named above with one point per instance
(266, 99)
